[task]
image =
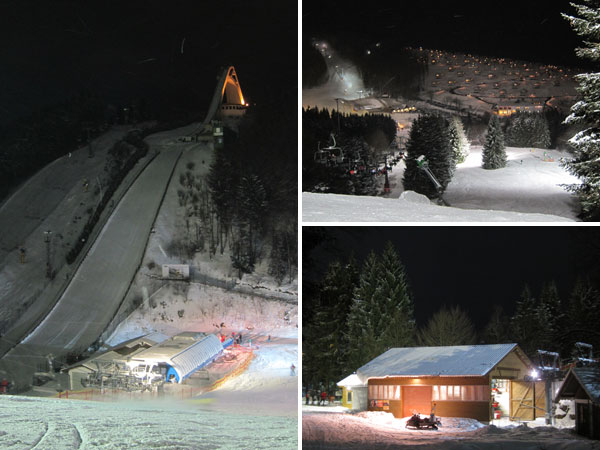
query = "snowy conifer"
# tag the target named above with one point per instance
(528, 130)
(428, 137)
(448, 326)
(586, 162)
(524, 326)
(494, 153)
(397, 324)
(458, 141)
(360, 327)
(328, 338)
(496, 330)
(381, 315)
(583, 315)
(549, 317)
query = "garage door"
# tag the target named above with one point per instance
(521, 400)
(416, 399)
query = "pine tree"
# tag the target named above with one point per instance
(397, 324)
(381, 315)
(336, 294)
(361, 332)
(583, 316)
(549, 317)
(448, 326)
(429, 137)
(528, 130)
(458, 141)
(494, 153)
(586, 163)
(496, 330)
(524, 326)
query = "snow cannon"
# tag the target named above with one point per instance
(423, 164)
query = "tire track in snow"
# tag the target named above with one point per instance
(47, 429)
(78, 436)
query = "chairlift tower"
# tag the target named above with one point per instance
(548, 365)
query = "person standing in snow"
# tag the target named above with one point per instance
(323, 397)
(292, 370)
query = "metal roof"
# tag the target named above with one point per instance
(185, 352)
(459, 360)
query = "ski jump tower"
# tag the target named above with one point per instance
(227, 101)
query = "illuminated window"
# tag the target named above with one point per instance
(385, 392)
(461, 393)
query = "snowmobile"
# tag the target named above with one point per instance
(415, 422)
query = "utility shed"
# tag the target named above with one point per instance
(474, 381)
(582, 385)
(184, 353)
(354, 392)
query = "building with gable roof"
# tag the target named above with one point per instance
(582, 385)
(482, 382)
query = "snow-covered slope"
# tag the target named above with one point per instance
(528, 189)
(350, 208)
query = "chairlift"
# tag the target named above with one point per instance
(336, 153)
(322, 156)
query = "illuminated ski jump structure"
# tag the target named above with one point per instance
(228, 100)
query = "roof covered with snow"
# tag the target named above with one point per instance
(351, 381)
(460, 360)
(581, 378)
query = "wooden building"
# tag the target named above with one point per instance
(482, 382)
(582, 385)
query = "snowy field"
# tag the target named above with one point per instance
(528, 189)
(257, 410)
(378, 430)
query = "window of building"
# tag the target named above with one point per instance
(384, 392)
(477, 393)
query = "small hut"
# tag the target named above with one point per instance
(582, 385)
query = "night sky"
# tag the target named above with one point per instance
(474, 267)
(528, 30)
(51, 50)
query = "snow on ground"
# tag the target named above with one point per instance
(375, 429)
(528, 189)
(45, 423)
(202, 308)
(530, 183)
(258, 410)
(268, 386)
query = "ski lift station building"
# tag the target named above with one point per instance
(178, 356)
(482, 382)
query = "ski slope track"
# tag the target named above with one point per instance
(100, 283)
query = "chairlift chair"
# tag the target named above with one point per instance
(336, 153)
